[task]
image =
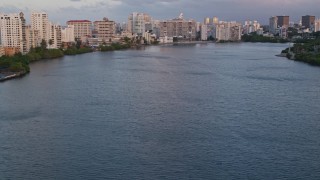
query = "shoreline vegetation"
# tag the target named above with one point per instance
(307, 51)
(263, 39)
(18, 65)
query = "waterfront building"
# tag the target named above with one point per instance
(54, 36)
(165, 39)
(67, 34)
(82, 28)
(250, 27)
(273, 24)
(228, 31)
(2, 51)
(12, 30)
(283, 32)
(137, 22)
(33, 38)
(283, 21)
(204, 32)
(178, 27)
(149, 37)
(317, 25)
(308, 21)
(40, 22)
(104, 30)
(156, 27)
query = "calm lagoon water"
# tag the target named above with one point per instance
(209, 111)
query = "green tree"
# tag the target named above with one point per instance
(50, 42)
(43, 44)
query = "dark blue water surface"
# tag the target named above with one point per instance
(211, 111)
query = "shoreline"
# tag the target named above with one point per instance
(13, 75)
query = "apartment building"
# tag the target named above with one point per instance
(105, 29)
(12, 30)
(67, 34)
(82, 28)
(178, 27)
(228, 31)
(40, 22)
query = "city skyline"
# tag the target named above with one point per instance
(61, 11)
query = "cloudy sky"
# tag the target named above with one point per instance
(62, 10)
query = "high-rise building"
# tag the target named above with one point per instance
(206, 21)
(215, 20)
(251, 26)
(178, 27)
(54, 36)
(105, 29)
(228, 31)
(12, 30)
(283, 21)
(32, 37)
(40, 22)
(204, 32)
(308, 21)
(137, 22)
(317, 25)
(82, 28)
(67, 34)
(273, 24)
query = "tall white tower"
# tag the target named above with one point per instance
(40, 22)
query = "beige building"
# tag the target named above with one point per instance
(2, 53)
(67, 34)
(40, 22)
(317, 25)
(32, 37)
(55, 36)
(137, 22)
(82, 28)
(251, 26)
(105, 29)
(13, 35)
(178, 28)
(228, 31)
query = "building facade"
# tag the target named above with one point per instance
(32, 37)
(228, 31)
(67, 34)
(12, 30)
(283, 21)
(207, 21)
(179, 27)
(54, 36)
(105, 29)
(250, 27)
(40, 22)
(137, 22)
(82, 28)
(204, 32)
(308, 21)
(273, 24)
(317, 25)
